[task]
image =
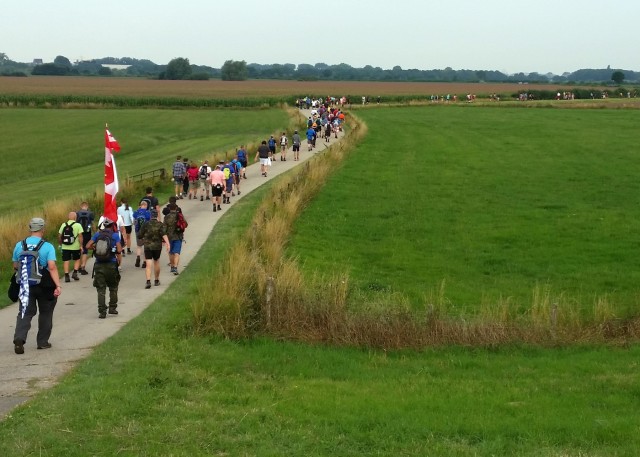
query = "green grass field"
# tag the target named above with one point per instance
(154, 389)
(59, 153)
(491, 202)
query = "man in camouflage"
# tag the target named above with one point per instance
(154, 235)
(106, 273)
(174, 235)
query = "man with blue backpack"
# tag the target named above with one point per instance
(34, 262)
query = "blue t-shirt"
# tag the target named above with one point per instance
(242, 154)
(47, 251)
(138, 215)
(310, 134)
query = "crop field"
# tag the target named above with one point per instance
(475, 206)
(137, 87)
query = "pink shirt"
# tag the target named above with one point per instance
(217, 177)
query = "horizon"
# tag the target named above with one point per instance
(550, 37)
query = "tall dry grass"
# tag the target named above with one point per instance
(259, 290)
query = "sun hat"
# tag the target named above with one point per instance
(36, 224)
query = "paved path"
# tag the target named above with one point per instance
(77, 329)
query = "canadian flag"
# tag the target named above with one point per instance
(110, 176)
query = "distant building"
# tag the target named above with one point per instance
(115, 66)
(37, 62)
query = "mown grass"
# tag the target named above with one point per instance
(156, 389)
(54, 159)
(472, 207)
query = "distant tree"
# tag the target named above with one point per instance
(3, 58)
(50, 69)
(105, 71)
(617, 77)
(178, 68)
(234, 70)
(62, 61)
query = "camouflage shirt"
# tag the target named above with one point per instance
(170, 226)
(152, 232)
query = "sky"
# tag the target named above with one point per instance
(510, 36)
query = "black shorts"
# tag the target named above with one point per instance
(86, 237)
(68, 254)
(243, 162)
(216, 191)
(152, 254)
(296, 147)
(127, 229)
(272, 149)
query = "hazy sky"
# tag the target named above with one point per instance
(510, 36)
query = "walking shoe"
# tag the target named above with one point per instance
(18, 347)
(214, 207)
(137, 261)
(102, 315)
(156, 282)
(67, 278)
(44, 346)
(128, 251)
(144, 264)
(148, 285)
(239, 192)
(219, 208)
(112, 310)
(201, 198)
(83, 271)
(74, 275)
(175, 272)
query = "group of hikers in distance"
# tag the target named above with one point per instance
(36, 282)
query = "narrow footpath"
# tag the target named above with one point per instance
(76, 327)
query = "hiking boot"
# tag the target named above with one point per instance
(44, 346)
(201, 198)
(83, 271)
(219, 208)
(137, 261)
(67, 278)
(156, 282)
(214, 207)
(113, 310)
(18, 347)
(175, 272)
(128, 251)
(102, 315)
(239, 192)
(148, 285)
(144, 264)
(74, 275)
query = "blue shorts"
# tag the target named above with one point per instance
(176, 247)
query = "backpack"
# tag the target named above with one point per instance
(30, 256)
(83, 220)
(242, 154)
(272, 142)
(68, 237)
(203, 172)
(181, 222)
(227, 172)
(103, 250)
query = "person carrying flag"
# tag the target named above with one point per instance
(41, 297)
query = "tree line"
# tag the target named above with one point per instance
(181, 68)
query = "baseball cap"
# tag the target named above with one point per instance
(36, 224)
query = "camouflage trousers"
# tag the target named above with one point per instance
(106, 275)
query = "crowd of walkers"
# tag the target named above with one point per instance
(140, 233)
